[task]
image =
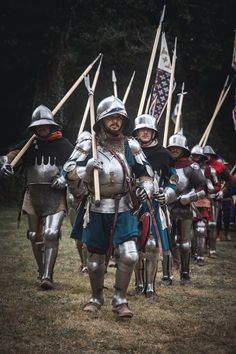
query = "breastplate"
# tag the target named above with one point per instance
(112, 177)
(183, 183)
(42, 173)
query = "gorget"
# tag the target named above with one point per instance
(109, 142)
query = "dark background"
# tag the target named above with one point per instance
(46, 45)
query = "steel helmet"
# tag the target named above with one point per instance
(180, 141)
(198, 150)
(109, 106)
(207, 150)
(42, 116)
(145, 121)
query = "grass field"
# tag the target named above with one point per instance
(199, 318)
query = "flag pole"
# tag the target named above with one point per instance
(128, 88)
(114, 83)
(216, 108)
(170, 96)
(152, 58)
(55, 110)
(88, 103)
(177, 123)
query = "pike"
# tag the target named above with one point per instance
(93, 89)
(128, 88)
(55, 110)
(177, 123)
(150, 66)
(213, 118)
(94, 146)
(148, 103)
(114, 83)
(169, 96)
(218, 104)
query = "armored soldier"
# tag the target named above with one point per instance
(191, 187)
(44, 205)
(204, 220)
(145, 131)
(112, 222)
(224, 178)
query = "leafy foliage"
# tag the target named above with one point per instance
(47, 45)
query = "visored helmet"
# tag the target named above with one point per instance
(207, 150)
(42, 116)
(145, 121)
(109, 106)
(180, 141)
(198, 150)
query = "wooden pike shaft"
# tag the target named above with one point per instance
(148, 103)
(150, 66)
(208, 128)
(128, 88)
(214, 116)
(55, 110)
(94, 146)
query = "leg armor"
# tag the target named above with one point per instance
(139, 274)
(35, 235)
(151, 254)
(96, 270)
(167, 263)
(126, 255)
(212, 228)
(200, 235)
(82, 250)
(51, 241)
(212, 237)
(184, 245)
(174, 247)
(194, 241)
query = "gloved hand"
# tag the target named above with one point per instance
(141, 194)
(219, 195)
(59, 182)
(161, 198)
(92, 164)
(6, 170)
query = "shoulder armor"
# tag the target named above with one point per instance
(82, 147)
(195, 166)
(137, 151)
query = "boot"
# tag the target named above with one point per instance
(122, 311)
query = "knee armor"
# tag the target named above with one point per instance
(51, 235)
(127, 253)
(211, 225)
(96, 262)
(184, 247)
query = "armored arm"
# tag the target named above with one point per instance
(190, 197)
(74, 168)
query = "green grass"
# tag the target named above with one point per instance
(199, 318)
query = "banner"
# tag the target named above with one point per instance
(161, 86)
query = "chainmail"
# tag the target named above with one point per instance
(111, 142)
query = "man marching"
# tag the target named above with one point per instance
(145, 131)
(44, 205)
(110, 223)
